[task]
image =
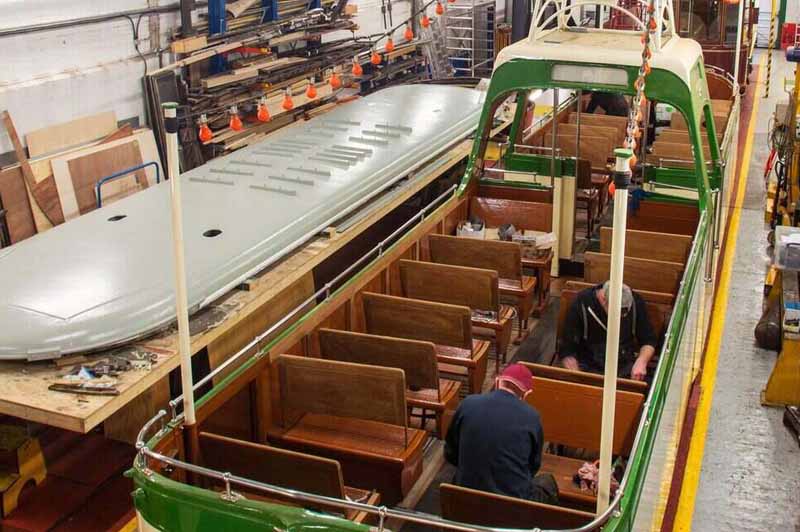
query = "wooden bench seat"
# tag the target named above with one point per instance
(449, 327)
(490, 509)
(665, 217)
(570, 494)
(658, 305)
(644, 274)
(283, 468)
(650, 245)
(355, 414)
(620, 123)
(475, 288)
(417, 360)
(525, 216)
(582, 377)
(571, 415)
(503, 257)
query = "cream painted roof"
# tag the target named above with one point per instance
(677, 55)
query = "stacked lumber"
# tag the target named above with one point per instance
(55, 180)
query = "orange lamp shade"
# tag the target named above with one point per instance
(611, 189)
(409, 33)
(376, 58)
(335, 81)
(425, 21)
(287, 104)
(236, 122)
(311, 91)
(205, 133)
(263, 113)
(439, 8)
(357, 70)
(389, 45)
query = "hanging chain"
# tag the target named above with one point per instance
(633, 133)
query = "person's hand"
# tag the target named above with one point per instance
(639, 370)
(570, 363)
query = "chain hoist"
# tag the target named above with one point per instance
(633, 133)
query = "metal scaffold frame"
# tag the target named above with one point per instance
(469, 29)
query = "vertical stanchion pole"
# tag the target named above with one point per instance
(622, 179)
(770, 45)
(557, 188)
(181, 298)
(739, 36)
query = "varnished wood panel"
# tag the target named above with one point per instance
(417, 359)
(490, 509)
(657, 276)
(457, 285)
(650, 245)
(571, 414)
(342, 389)
(503, 257)
(428, 321)
(522, 214)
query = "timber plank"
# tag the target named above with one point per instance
(14, 196)
(73, 133)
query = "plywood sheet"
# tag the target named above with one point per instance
(87, 171)
(111, 159)
(14, 196)
(73, 133)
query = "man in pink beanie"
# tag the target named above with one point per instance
(496, 439)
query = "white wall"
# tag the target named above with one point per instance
(57, 75)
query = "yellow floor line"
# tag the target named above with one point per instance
(694, 462)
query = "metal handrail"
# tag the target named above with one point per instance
(326, 290)
(145, 453)
(613, 508)
(123, 173)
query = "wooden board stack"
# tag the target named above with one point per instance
(55, 181)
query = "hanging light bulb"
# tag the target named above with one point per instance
(425, 21)
(205, 133)
(288, 104)
(311, 90)
(236, 122)
(409, 33)
(263, 112)
(389, 45)
(376, 58)
(439, 8)
(335, 81)
(357, 70)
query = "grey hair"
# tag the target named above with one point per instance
(627, 295)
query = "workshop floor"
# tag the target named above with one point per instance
(749, 476)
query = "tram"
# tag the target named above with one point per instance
(301, 433)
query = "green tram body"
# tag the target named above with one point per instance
(173, 505)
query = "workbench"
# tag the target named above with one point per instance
(222, 329)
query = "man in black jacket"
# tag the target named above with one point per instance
(496, 439)
(583, 342)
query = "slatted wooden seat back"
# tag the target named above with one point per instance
(416, 319)
(620, 123)
(524, 215)
(595, 149)
(609, 131)
(662, 298)
(680, 136)
(445, 283)
(342, 389)
(571, 412)
(664, 217)
(272, 465)
(650, 245)
(503, 257)
(417, 359)
(644, 274)
(490, 509)
(582, 377)
(658, 312)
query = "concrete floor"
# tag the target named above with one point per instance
(750, 476)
